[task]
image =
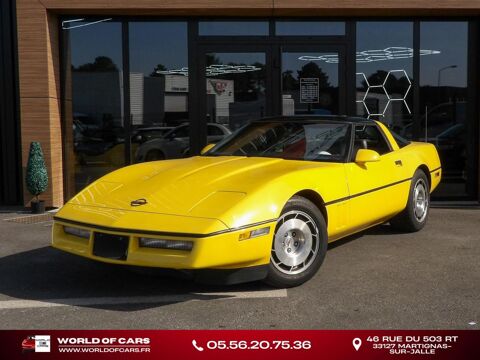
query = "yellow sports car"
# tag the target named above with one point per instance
(261, 204)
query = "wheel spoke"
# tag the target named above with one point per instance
(296, 242)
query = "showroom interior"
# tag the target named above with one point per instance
(103, 88)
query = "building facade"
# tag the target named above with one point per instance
(106, 84)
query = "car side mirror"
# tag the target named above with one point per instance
(206, 148)
(366, 155)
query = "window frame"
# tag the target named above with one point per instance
(382, 135)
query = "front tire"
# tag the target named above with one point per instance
(415, 215)
(299, 244)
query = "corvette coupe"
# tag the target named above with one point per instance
(263, 203)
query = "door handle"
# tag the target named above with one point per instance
(398, 162)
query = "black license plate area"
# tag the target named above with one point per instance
(110, 246)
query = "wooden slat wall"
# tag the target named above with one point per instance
(40, 92)
(39, 59)
(268, 7)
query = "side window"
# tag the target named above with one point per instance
(370, 137)
(213, 130)
(181, 132)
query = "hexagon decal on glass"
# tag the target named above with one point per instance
(375, 101)
(377, 97)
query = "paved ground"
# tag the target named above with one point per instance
(378, 279)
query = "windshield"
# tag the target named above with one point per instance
(294, 140)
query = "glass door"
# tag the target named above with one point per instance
(236, 88)
(312, 81)
(241, 83)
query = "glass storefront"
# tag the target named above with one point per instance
(310, 83)
(235, 90)
(384, 73)
(309, 28)
(158, 62)
(443, 104)
(94, 125)
(143, 90)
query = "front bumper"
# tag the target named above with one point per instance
(222, 250)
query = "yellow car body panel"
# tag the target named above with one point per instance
(213, 201)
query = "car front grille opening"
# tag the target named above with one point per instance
(110, 246)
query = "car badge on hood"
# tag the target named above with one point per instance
(138, 202)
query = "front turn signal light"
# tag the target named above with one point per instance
(254, 233)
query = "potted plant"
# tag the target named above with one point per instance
(36, 177)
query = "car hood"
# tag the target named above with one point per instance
(201, 187)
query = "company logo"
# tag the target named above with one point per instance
(138, 202)
(36, 343)
(103, 345)
(218, 86)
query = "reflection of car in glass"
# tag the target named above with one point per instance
(443, 116)
(440, 118)
(451, 147)
(105, 146)
(86, 122)
(175, 143)
(261, 204)
(141, 135)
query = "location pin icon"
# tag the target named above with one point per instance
(357, 343)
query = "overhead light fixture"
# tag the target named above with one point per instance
(215, 70)
(66, 23)
(367, 56)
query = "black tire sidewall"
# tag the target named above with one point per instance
(417, 225)
(277, 278)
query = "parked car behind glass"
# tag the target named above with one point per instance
(176, 143)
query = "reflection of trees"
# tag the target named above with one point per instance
(309, 70)
(288, 81)
(394, 85)
(159, 67)
(211, 59)
(101, 63)
(312, 70)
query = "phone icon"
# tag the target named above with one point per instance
(194, 343)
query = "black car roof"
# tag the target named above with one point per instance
(318, 118)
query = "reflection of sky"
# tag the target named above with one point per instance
(103, 39)
(450, 38)
(308, 28)
(152, 43)
(240, 58)
(381, 35)
(227, 28)
(291, 62)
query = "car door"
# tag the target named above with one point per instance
(374, 187)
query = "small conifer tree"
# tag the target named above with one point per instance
(37, 176)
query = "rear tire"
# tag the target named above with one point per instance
(299, 244)
(415, 215)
